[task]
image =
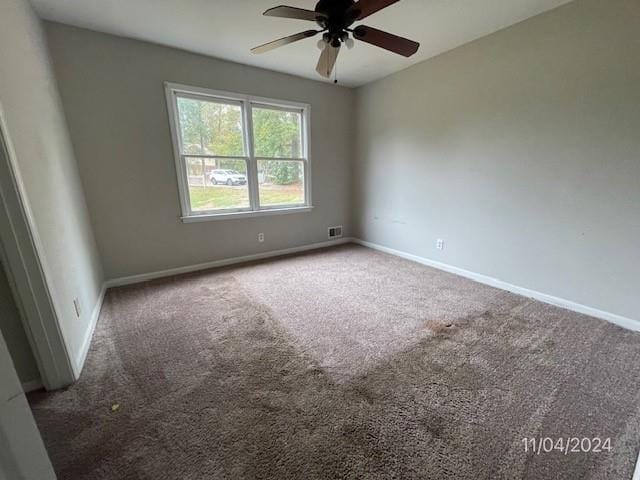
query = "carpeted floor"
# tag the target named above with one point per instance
(342, 364)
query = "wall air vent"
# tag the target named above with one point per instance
(335, 232)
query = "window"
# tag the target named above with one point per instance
(238, 155)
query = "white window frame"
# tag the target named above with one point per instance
(247, 103)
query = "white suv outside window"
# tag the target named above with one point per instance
(228, 177)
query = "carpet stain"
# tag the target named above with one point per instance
(438, 327)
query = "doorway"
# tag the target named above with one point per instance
(25, 277)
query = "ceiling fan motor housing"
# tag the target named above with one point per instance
(336, 16)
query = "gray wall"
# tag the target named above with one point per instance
(14, 333)
(113, 94)
(46, 169)
(521, 150)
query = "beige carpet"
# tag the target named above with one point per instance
(342, 364)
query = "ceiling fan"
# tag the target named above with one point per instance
(335, 18)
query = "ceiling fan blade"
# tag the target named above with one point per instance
(284, 41)
(388, 41)
(364, 8)
(293, 12)
(327, 60)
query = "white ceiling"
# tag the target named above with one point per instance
(229, 28)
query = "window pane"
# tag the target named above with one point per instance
(277, 134)
(210, 128)
(281, 182)
(217, 184)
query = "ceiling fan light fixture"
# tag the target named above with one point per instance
(335, 19)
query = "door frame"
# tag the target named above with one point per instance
(22, 249)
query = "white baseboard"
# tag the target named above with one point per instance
(32, 385)
(625, 322)
(119, 282)
(86, 342)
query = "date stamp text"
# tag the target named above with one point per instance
(566, 445)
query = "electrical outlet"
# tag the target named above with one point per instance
(261, 237)
(76, 305)
(440, 244)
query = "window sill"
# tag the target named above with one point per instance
(210, 217)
